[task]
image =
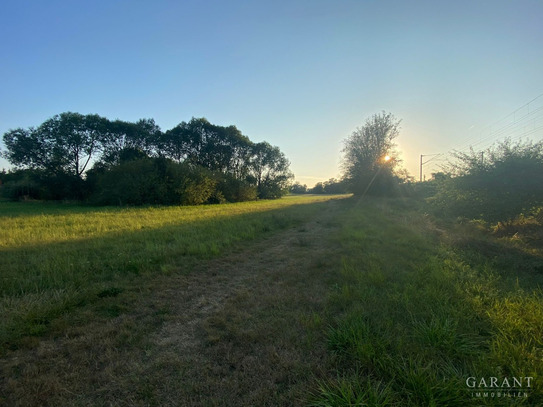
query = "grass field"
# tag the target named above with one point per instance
(300, 301)
(420, 309)
(58, 257)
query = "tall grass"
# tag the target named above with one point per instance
(54, 258)
(418, 313)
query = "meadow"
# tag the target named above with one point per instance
(59, 257)
(306, 300)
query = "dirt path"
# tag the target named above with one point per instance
(244, 329)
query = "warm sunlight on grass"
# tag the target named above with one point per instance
(23, 224)
(55, 258)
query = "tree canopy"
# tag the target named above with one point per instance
(88, 149)
(370, 156)
(65, 143)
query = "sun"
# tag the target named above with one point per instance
(387, 158)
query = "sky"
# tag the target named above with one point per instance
(300, 74)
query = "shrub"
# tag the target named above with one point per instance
(505, 183)
(196, 187)
(42, 184)
(20, 185)
(153, 181)
(235, 190)
(129, 183)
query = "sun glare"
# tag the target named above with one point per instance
(387, 157)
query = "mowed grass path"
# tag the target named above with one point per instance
(55, 258)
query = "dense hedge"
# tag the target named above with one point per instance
(134, 182)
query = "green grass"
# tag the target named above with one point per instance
(380, 305)
(417, 310)
(55, 258)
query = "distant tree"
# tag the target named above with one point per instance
(238, 164)
(176, 142)
(270, 171)
(26, 148)
(224, 149)
(332, 186)
(218, 148)
(369, 155)
(317, 189)
(298, 188)
(197, 142)
(335, 186)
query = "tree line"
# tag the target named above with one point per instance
(332, 186)
(496, 185)
(91, 158)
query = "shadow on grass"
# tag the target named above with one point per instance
(516, 266)
(41, 282)
(33, 208)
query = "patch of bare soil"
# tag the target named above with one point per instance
(244, 329)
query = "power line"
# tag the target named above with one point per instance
(509, 127)
(532, 119)
(514, 127)
(425, 162)
(522, 122)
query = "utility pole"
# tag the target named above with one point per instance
(427, 161)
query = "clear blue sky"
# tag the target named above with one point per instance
(300, 74)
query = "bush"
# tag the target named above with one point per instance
(153, 181)
(499, 188)
(20, 186)
(41, 184)
(235, 190)
(272, 190)
(195, 186)
(129, 183)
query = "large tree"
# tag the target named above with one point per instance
(270, 171)
(218, 148)
(64, 148)
(131, 140)
(65, 143)
(369, 155)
